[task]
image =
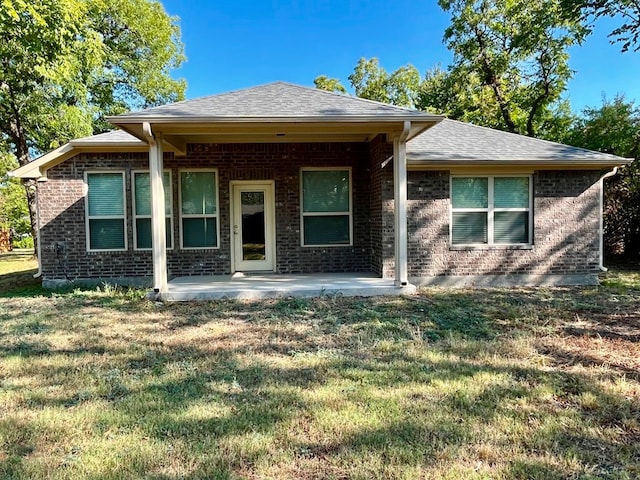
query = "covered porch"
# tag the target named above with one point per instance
(247, 286)
(296, 116)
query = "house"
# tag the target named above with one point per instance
(292, 180)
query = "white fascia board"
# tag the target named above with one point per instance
(414, 162)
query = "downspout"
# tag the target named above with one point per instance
(400, 202)
(601, 230)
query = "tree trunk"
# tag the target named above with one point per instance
(30, 186)
(492, 80)
(22, 154)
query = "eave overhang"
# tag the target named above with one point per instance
(177, 132)
(37, 169)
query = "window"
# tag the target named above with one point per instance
(326, 206)
(105, 211)
(491, 210)
(199, 209)
(142, 210)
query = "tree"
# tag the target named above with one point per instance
(465, 99)
(65, 64)
(615, 128)
(323, 82)
(628, 33)
(371, 81)
(14, 212)
(518, 49)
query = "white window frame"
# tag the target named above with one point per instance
(216, 215)
(326, 214)
(135, 216)
(88, 217)
(490, 210)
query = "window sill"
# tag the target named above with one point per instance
(489, 247)
(109, 252)
(331, 245)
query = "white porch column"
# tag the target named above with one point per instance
(400, 204)
(158, 228)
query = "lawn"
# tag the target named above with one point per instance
(17, 269)
(459, 384)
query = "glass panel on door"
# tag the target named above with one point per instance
(253, 226)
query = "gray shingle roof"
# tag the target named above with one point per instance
(114, 136)
(458, 142)
(274, 100)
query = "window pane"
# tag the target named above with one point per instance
(470, 192)
(469, 227)
(143, 193)
(511, 227)
(329, 230)
(325, 191)
(198, 193)
(143, 232)
(511, 192)
(199, 232)
(106, 234)
(105, 194)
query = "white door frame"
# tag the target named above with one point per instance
(268, 187)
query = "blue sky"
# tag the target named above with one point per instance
(235, 44)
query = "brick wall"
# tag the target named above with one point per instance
(566, 217)
(62, 207)
(566, 222)
(382, 220)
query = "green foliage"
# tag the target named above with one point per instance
(627, 11)
(14, 212)
(323, 82)
(66, 64)
(615, 128)
(509, 71)
(371, 81)
(464, 99)
(25, 243)
(516, 49)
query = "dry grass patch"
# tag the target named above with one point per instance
(17, 269)
(529, 383)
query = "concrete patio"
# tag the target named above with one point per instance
(270, 285)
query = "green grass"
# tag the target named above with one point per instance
(459, 384)
(17, 269)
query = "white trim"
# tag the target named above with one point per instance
(490, 210)
(88, 218)
(216, 215)
(326, 214)
(135, 216)
(268, 187)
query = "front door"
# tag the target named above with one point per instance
(253, 226)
